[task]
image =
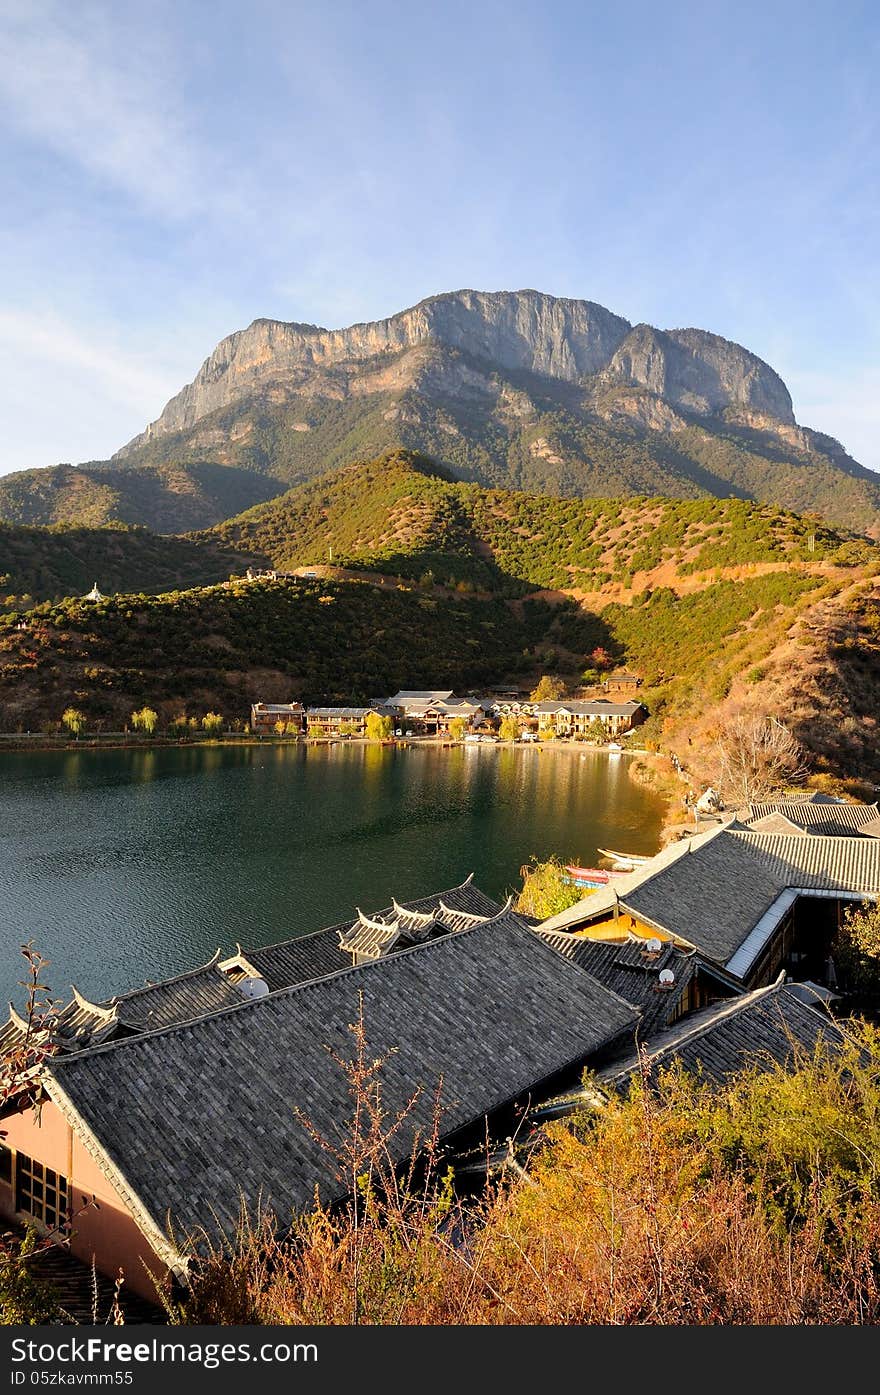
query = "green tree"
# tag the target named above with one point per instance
(74, 720)
(280, 727)
(212, 723)
(856, 949)
(457, 728)
(178, 726)
(145, 720)
(509, 728)
(378, 728)
(548, 689)
(547, 889)
(596, 730)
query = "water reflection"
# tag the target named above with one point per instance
(131, 864)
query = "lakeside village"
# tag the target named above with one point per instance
(135, 1124)
(510, 715)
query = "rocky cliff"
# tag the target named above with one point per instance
(510, 389)
(570, 341)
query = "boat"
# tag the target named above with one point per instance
(591, 876)
(614, 748)
(623, 861)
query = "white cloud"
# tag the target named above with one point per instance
(70, 395)
(114, 108)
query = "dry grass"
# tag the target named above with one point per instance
(758, 1205)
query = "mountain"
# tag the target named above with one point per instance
(168, 497)
(401, 515)
(717, 604)
(509, 389)
(512, 389)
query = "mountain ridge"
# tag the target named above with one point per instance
(558, 337)
(507, 389)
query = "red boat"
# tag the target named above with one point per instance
(592, 876)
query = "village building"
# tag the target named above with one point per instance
(185, 1115)
(771, 1024)
(751, 903)
(429, 712)
(337, 721)
(181, 1097)
(664, 980)
(579, 718)
(771, 1027)
(622, 680)
(816, 814)
(269, 574)
(265, 717)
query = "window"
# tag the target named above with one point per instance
(40, 1192)
(5, 1164)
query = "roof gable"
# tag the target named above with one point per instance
(193, 1116)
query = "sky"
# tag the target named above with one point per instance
(170, 172)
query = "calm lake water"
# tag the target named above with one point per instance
(134, 864)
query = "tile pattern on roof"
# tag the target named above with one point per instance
(192, 1117)
(313, 956)
(760, 1030)
(631, 972)
(828, 819)
(715, 894)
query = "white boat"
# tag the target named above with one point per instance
(623, 861)
(614, 748)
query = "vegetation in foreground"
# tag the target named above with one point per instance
(755, 1204)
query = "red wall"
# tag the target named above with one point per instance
(109, 1235)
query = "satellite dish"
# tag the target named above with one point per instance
(667, 978)
(253, 988)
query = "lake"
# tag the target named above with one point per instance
(131, 864)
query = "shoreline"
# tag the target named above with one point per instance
(121, 741)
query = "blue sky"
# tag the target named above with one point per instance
(172, 171)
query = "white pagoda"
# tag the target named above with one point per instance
(94, 594)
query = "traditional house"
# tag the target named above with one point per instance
(816, 814)
(336, 721)
(578, 718)
(430, 713)
(265, 716)
(663, 980)
(622, 680)
(750, 902)
(172, 1127)
(768, 1027)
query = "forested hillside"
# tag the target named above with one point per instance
(38, 564)
(400, 514)
(716, 604)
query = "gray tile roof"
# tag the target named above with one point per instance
(180, 999)
(715, 895)
(813, 816)
(767, 1028)
(72, 1027)
(714, 889)
(352, 714)
(188, 1119)
(419, 695)
(284, 708)
(599, 708)
(627, 970)
(313, 956)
